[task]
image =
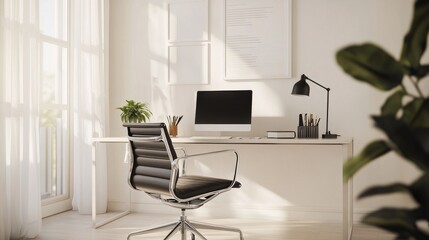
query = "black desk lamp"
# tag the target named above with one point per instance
(302, 88)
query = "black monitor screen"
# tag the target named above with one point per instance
(224, 107)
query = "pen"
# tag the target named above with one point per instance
(180, 118)
(174, 120)
(305, 120)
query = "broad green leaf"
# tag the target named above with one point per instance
(411, 143)
(371, 64)
(416, 39)
(416, 113)
(369, 153)
(420, 192)
(377, 190)
(393, 103)
(422, 71)
(400, 221)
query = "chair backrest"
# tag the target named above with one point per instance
(153, 154)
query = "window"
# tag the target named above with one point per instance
(54, 96)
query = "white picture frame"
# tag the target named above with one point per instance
(257, 43)
(185, 13)
(189, 64)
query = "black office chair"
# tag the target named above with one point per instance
(157, 170)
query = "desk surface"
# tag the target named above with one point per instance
(240, 140)
(250, 140)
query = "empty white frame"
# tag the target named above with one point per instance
(257, 39)
(189, 64)
(188, 21)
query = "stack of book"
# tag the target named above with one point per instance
(281, 134)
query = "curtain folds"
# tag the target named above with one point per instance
(20, 74)
(90, 94)
(20, 206)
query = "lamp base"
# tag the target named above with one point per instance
(330, 135)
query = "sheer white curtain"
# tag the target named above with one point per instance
(20, 203)
(20, 63)
(90, 94)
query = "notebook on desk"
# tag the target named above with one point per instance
(281, 134)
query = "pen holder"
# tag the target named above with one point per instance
(308, 131)
(172, 130)
(173, 123)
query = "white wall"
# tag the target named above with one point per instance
(138, 70)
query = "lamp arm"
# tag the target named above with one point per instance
(318, 84)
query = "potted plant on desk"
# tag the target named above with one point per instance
(135, 112)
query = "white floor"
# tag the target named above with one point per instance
(71, 225)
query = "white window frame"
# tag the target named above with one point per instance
(62, 203)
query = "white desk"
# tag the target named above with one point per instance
(345, 143)
(248, 145)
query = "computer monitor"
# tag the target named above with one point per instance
(227, 110)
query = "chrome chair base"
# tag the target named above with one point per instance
(183, 225)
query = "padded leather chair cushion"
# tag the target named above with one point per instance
(190, 186)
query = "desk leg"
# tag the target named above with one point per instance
(348, 199)
(94, 195)
(94, 192)
(347, 210)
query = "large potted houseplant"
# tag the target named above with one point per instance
(404, 119)
(135, 112)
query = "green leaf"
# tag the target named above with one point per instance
(416, 39)
(422, 71)
(369, 153)
(392, 104)
(411, 143)
(416, 113)
(420, 191)
(371, 64)
(377, 190)
(134, 112)
(400, 221)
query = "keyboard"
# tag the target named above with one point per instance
(211, 137)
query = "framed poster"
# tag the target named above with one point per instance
(185, 13)
(188, 64)
(188, 42)
(257, 39)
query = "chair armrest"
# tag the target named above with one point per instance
(176, 162)
(184, 154)
(180, 149)
(209, 153)
(176, 166)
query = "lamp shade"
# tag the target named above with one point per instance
(301, 87)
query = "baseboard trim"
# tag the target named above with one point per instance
(56, 207)
(281, 213)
